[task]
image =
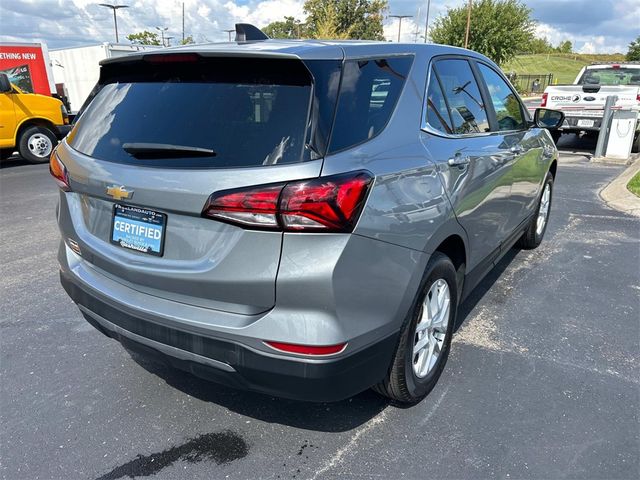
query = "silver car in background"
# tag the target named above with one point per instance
(298, 218)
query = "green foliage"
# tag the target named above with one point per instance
(565, 47)
(499, 28)
(634, 51)
(187, 40)
(290, 27)
(355, 19)
(144, 38)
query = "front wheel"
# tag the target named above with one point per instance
(36, 144)
(425, 338)
(534, 233)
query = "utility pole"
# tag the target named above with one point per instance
(426, 23)
(229, 32)
(183, 23)
(162, 30)
(115, 20)
(466, 35)
(417, 32)
(400, 17)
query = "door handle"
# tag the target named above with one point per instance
(517, 149)
(459, 160)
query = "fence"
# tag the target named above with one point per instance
(535, 83)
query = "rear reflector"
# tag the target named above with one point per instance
(59, 172)
(326, 204)
(307, 349)
(544, 99)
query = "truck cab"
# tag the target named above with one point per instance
(30, 123)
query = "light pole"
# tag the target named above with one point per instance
(400, 17)
(426, 24)
(114, 8)
(466, 35)
(162, 30)
(229, 32)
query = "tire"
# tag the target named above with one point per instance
(36, 144)
(555, 134)
(403, 384)
(533, 236)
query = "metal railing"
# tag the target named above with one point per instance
(530, 83)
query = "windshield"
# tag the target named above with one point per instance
(246, 112)
(610, 76)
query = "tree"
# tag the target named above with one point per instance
(565, 47)
(538, 45)
(290, 27)
(187, 40)
(634, 51)
(499, 28)
(144, 38)
(355, 19)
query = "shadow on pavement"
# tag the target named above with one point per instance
(13, 161)
(324, 417)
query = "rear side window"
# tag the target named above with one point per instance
(249, 112)
(368, 95)
(468, 113)
(437, 112)
(505, 102)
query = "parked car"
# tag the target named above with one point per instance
(258, 214)
(583, 102)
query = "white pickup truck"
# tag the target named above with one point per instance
(583, 102)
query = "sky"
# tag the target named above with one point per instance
(601, 26)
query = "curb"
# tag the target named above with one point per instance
(616, 194)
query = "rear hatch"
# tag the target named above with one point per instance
(160, 135)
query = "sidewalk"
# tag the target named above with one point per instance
(616, 194)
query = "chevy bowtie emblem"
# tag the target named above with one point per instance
(118, 192)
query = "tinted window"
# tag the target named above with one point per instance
(505, 101)
(610, 76)
(468, 113)
(249, 112)
(368, 94)
(437, 113)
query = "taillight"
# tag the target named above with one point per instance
(638, 98)
(327, 204)
(307, 349)
(59, 172)
(544, 100)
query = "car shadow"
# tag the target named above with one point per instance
(323, 417)
(13, 161)
(468, 305)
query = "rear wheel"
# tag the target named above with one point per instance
(534, 233)
(425, 338)
(36, 144)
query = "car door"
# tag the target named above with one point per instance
(472, 163)
(7, 120)
(519, 141)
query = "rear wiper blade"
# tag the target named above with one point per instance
(164, 150)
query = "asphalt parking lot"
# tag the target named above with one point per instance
(543, 379)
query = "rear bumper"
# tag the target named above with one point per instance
(232, 363)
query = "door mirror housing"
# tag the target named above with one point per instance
(5, 84)
(547, 118)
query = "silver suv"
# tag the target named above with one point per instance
(298, 218)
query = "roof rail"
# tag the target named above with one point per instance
(245, 32)
(623, 62)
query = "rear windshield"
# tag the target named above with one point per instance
(610, 76)
(238, 112)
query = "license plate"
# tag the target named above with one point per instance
(138, 229)
(585, 123)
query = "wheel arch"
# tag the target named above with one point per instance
(553, 168)
(33, 122)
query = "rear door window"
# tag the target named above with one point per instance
(369, 91)
(249, 112)
(505, 101)
(466, 105)
(437, 111)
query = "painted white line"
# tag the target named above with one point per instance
(435, 406)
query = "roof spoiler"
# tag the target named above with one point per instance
(245, 32)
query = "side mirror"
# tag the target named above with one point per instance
(545, 118)
(5, 84)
